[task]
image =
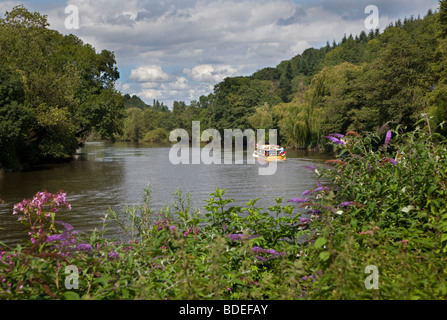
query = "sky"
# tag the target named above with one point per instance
(179, 50)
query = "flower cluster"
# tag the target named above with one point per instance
(264, 255)
(387, 138)
(41, 199)
(350, 203)
(392, 161)
(313, 277)
(191, 230)
(36, 211)
(67, 241)
(66, 238)
(163, 224)
(336, 138)
(304, 220)
(8, 264)
(113, 255)
(318, 189)
(241, 236)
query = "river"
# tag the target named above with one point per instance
(105, 175)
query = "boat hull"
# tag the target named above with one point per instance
(268, 158)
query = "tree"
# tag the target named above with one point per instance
(443, 17)
(104, 113)
(133, 125)
(57, 81)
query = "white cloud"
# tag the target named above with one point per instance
(150, 94)
(181, 83)
(148, 74)
(210, 73)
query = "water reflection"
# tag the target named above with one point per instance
(107, 175)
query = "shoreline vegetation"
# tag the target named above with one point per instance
(384, 211)
(62, 91)
(379, 210)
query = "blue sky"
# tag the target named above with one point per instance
(179, 49)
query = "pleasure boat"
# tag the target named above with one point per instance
(269, 152)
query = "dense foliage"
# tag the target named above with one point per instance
(378, 210)
(380, 205)
(54, 91)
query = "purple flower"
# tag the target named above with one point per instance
(66, 225)
(314, 211)
(321, 187)
(335, 140)
(298, 200)
(113, 255)
(337, 135)
(304, 220)
(271, 252)
(258, 249)
(305, 193)
(262, 259)
(56, 237)
(309, 167)
(388, 138)
(347, 203)
(392, 161)
(237, 237)
(84, 247)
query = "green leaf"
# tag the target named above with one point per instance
(320, 242)
(71, 295)
(324, 255)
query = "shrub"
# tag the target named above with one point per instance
(389, 210)
(156, 135)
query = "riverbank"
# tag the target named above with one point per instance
(379, 231)
(113, 175)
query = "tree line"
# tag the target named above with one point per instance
(365, 82)
(55, 90)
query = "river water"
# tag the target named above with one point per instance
(106, 175)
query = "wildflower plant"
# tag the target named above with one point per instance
(388, 209)
(38, 213)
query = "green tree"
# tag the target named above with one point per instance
(104, 113)
(133, 125)
(57, 80)
(443, 17)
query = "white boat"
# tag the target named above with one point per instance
(269, 152)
